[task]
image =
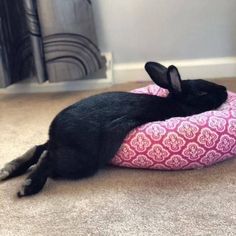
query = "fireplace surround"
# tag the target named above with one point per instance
(53, 40)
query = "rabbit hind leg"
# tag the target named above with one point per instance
(21, 164)
(37, 177)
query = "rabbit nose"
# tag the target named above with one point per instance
(224, 88)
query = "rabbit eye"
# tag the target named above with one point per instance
(202, 93)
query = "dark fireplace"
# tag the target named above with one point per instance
(53, 40)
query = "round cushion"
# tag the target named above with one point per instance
(181, 143)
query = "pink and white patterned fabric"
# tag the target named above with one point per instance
(181, 143)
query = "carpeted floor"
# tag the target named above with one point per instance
(116, 201)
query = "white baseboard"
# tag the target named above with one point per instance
(190, 69)
(211, 68)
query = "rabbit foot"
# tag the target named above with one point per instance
(25, 189)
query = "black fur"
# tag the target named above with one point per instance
(85, 136)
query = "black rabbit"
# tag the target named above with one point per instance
(85, 136)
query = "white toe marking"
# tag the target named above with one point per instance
(4, 174)
(22, 192)
(27, 182)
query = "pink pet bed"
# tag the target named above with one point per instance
(181, 143)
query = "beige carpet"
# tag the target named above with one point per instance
(116, 201)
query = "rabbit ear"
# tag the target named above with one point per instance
(174, 79)
(158, 74)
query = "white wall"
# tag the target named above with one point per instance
(140, 30)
